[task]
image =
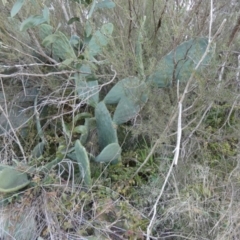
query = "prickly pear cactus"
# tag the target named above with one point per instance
(180, 62)
(83, 161)
(99, 40)
(57, 43)
(130, 94)
(45, 30)
(106, 129)
(86, 89)
(90, 124)
(61, 46)
(12, 180)
(127, 109)
(109, 153)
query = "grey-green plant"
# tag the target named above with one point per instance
(128, 95)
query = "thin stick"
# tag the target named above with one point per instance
(179, 134)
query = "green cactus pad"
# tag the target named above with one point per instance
(90, 124)
(131, 95)
(126, 110)
(12, 180)
(88, 91)
(45, 30)
(83, 161)
(62, 48)
(38, 150)
(109, 154)
(99, 40)
(130, 87)
(180, 63)
(107, 133)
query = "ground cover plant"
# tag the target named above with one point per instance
(119, 119)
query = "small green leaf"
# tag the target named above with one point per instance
(130, 94)
(17, 7)
(50, 39)
(107, 29)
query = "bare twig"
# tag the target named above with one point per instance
(179, 134)
(35, 74)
